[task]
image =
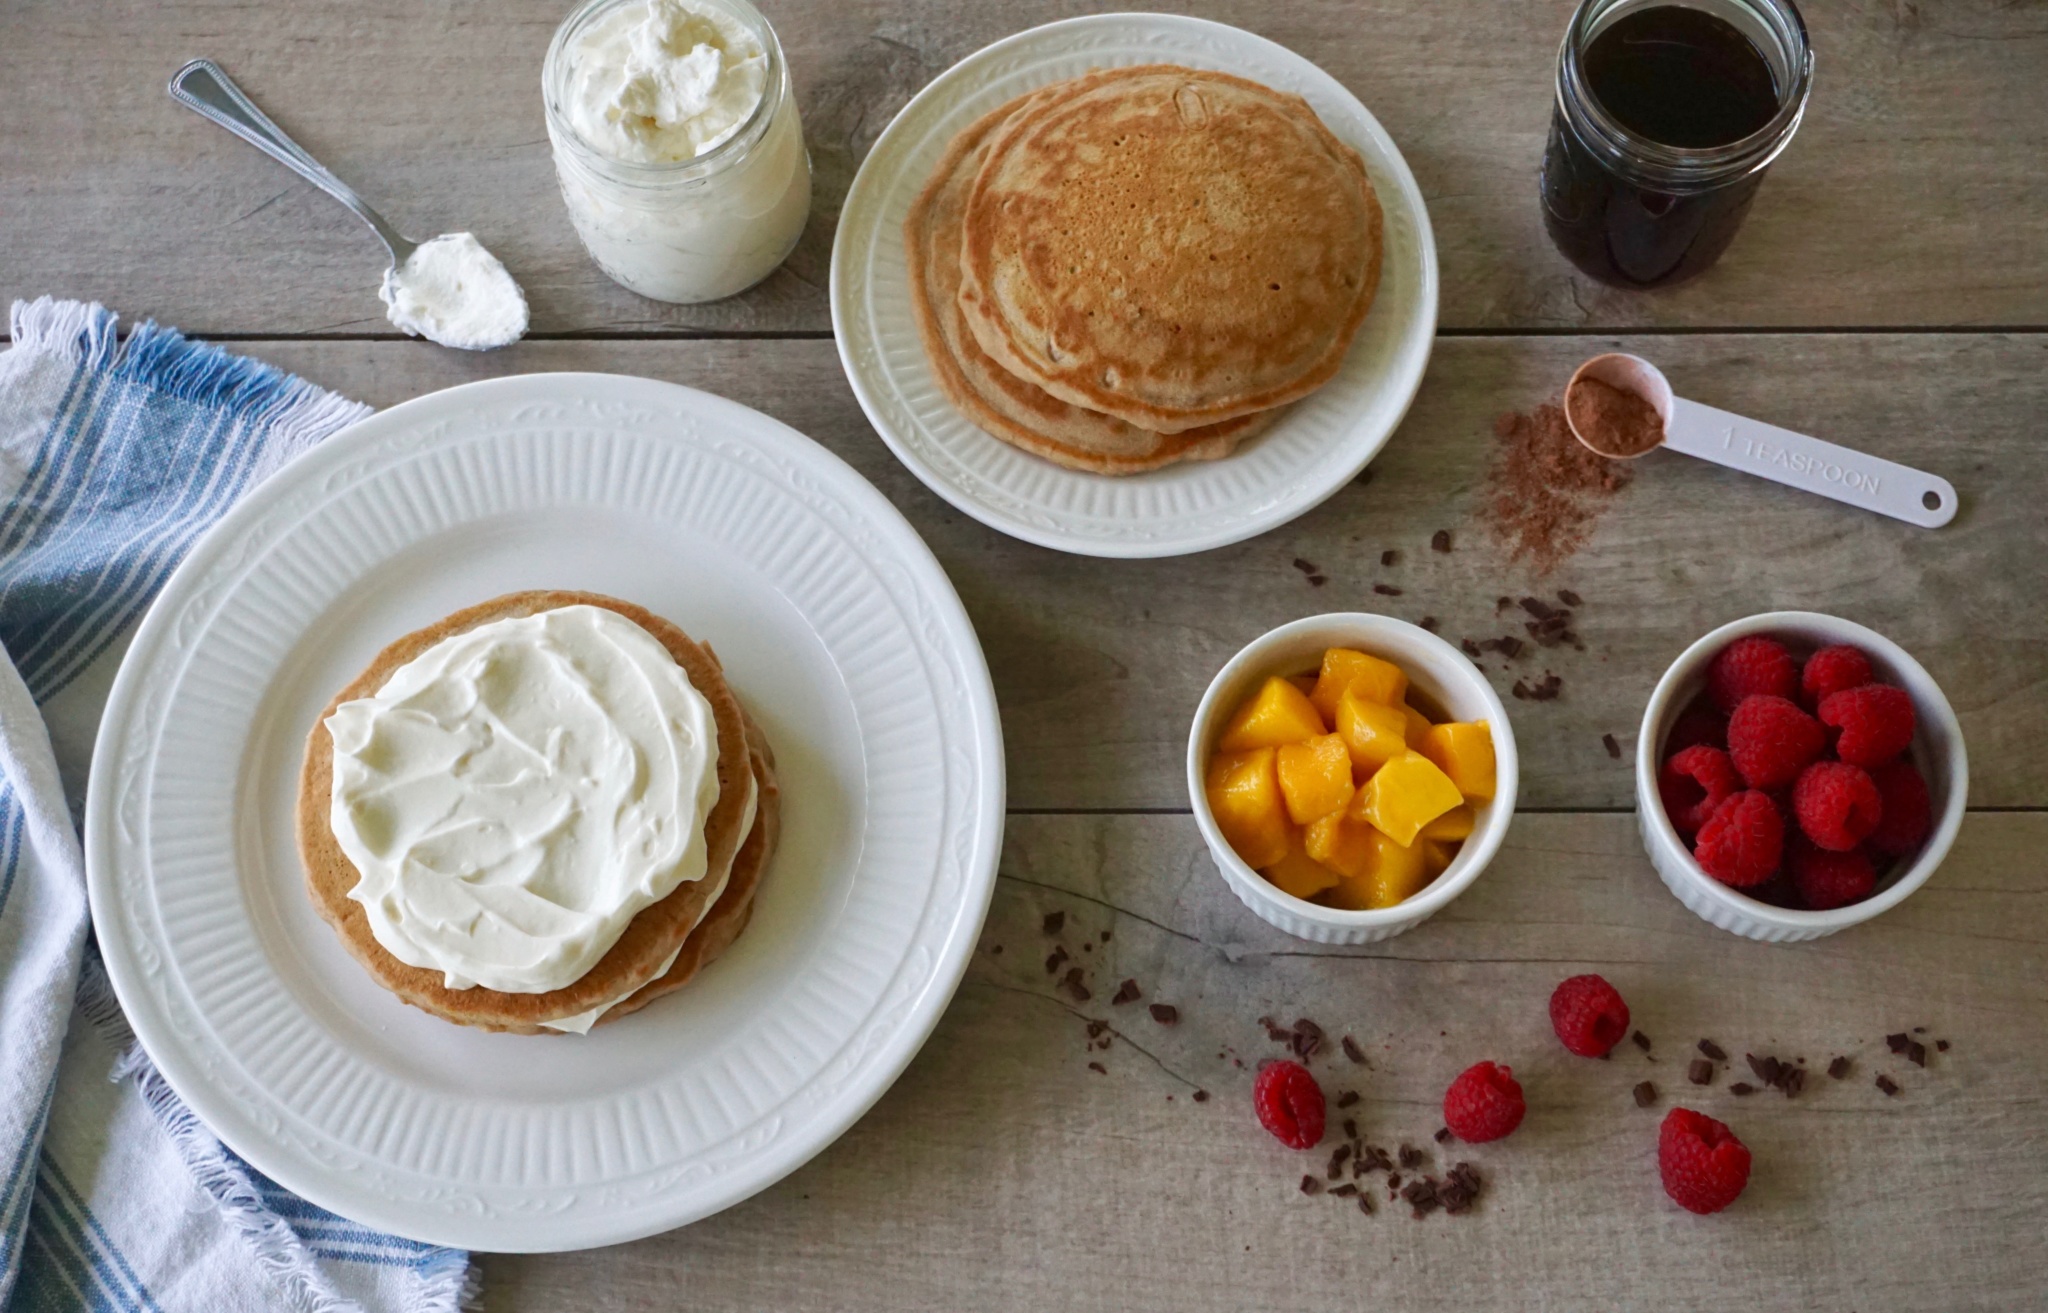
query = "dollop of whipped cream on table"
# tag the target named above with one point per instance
(664, 80)
(515, 794)
(452, 291)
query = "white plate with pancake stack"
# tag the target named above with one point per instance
(1315, 447)
(837, 630)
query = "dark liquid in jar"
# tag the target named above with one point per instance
(1680, 77)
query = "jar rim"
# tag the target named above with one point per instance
(556, 68)
(1678, 166)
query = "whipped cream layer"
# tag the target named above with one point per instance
(665, 80)
(516, 794)
(452, 291)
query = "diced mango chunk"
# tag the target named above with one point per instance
(1344, 669)
(1393, 874)
(1418, 726)
(1244, 795)
(1404, 795)
(1299, 874)
(1279, 713)
(1374, 732)
(1315, 777)
(1453, 826)
(1342, 844)
(1437, 856)
(1464, 752)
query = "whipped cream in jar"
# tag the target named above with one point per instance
(677, 144)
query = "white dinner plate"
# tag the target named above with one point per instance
(835, 626)
(1314, 450)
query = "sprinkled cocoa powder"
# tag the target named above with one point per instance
(1546, 490)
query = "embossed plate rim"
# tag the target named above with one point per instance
(815, 1107)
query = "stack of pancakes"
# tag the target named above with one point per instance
(1141, 266)
(694, 924)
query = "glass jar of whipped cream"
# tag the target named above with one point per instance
(677, 144)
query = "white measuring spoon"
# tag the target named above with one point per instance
(1769, 452)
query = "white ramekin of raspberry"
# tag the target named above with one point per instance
(1797, 774)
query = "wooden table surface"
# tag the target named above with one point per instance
(1890, 291)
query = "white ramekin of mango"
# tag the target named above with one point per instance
(1352, 774)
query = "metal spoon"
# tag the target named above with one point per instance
(201, 87)
(1767, 451)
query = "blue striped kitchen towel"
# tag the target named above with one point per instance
(114, 457)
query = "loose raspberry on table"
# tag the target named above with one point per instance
(1908, 811)
(1831, 670)
(1589, 1015)
(1876, 723)
(1693, 783)
(1771, 740)
(1828, 880)
(1698, 723)
(1837, 805)
(1703, 1165)
(1742, 842)
(1484, 1103)
(1751, 666)
(1289, 1104)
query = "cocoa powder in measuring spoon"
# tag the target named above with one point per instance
(1614, 422)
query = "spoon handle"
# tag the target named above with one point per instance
(1794, 459)
(201, 87)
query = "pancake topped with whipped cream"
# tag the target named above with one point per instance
(519, 817)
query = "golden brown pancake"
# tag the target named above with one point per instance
(997, 401)
(1169, 246)
(650, 937)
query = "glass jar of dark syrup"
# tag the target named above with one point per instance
(1667, 115)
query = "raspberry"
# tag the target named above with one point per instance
(1693, 783)
(1908, 813)
(1290, 1104)
(1837, 805)
(1771, 740)
(1742, 841)
(1831, 670)
(1703, 1165)
(1698, 723)
(1876, 721)
(1751, 666)
(1483, 1104)
(1588, 1015)
(1827, 880)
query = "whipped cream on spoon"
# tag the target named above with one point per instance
(448, 289)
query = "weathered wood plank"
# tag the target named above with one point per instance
(1913, 196)
(1098, 665)
(1002, 1173)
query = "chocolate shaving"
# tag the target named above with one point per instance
(1613, 748)
(1570, 598)
(1839, 1068)
(1713, 1050)
(1071, 982)
(1166, 1014)
(1443, 1135)
(1375, 1159)
(1646, 1094)
(1364, 1203)
(1460, 1190)
(1642, 1041)
(1304, 566)
(1310, 1185)
(1098, 1069)
(1412, 1157)
(1888, 1085)
(1393, 1185)
(1539, 608)
(1095, 1029)
(1766, 1069)
(1916, 1053)
(1350, 1128)
(1318, 580)
(1700, 1072)
(1421, 1196)
(1428, 622)
(1336, 1168)
(1105, 936)
(1344, 1191)
(1386, 590)
(1740, 1088)
(1794, 1081)
(1306, 1039)
(1053, 960)
(1347, 1098)
(1055, 922)
(1127, 992)
(1898, 1042)
(1940, 1044)
(1352, 1051)
(1440, 541)
(1389, 556)
(1468, 647)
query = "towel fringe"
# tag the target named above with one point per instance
(82, 331)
